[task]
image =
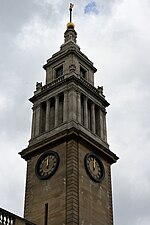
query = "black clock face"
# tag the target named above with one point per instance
(47, 165)
(94, 167)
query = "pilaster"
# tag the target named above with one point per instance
(72, 183)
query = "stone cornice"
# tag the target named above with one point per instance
(72, 131)
(72, 49)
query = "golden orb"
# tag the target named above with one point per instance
(70, 25)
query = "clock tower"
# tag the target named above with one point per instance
(68, 158)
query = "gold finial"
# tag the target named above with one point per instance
(71, 6)
(70, 24)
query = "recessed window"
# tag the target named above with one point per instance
(82, 72)
(59, 71)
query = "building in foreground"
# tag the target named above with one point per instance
(68, 158)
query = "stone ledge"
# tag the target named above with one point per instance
(67, 132)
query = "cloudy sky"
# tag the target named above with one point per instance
(115, 35)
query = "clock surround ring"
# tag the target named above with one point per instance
(53, 159)
(100, 167)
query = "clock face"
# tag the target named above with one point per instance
(47, 165)
(94, 167)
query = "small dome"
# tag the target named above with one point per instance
(70, 25)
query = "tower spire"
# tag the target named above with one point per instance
(70, 25)
(70, 9)
(70, 34)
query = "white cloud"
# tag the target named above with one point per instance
(3, 102)
(31, 34)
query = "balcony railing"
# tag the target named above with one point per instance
(8, 218)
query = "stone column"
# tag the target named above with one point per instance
(47, 125)
(93, 117)
(37, 120)
(79, 107)
(85, 112)
(74, 98)
(97, 120)
(105, 128)
(33, 123)
(72, 105)
(101, 125)
(56, 109)
(65, 107)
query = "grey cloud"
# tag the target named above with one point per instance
(14, 13)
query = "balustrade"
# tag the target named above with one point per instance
(8, 218)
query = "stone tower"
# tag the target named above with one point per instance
(68, 158)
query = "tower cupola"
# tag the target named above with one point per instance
(70, 33)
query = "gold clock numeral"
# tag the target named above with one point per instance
(42, 172)
(47, 162)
